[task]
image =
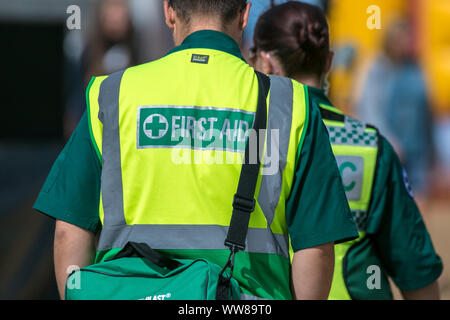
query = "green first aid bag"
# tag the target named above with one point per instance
(139, 273)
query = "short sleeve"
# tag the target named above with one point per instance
(396, 225)
(317, 209)
(71, 192)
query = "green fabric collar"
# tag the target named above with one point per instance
(319, 96)
(210, 39)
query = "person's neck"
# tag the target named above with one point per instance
(207, 25)
(309, 81)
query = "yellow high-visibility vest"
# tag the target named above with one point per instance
(167, 133)
(355, 146)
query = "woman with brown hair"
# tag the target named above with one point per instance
(292, 40)
(111, 46)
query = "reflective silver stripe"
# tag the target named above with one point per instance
(279, 118)
(185, 237)
(111, 180)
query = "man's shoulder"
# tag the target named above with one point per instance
(136, 69)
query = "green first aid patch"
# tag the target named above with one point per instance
(199, 128)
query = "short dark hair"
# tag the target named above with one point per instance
(298, 34)
(226, 10)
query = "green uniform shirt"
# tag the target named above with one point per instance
(394, 222)
(317, 211)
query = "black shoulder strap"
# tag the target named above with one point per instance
(244, 199)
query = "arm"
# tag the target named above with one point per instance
(73, 246)
(312, 272)
(400, 236)
(430, 292)
(75, 175)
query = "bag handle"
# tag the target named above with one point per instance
(142, 250)
(244, 200)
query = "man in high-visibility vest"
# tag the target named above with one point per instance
(126, 170)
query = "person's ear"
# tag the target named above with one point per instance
(243, 19)
(169, 14)
(266, 63)
(329, 63)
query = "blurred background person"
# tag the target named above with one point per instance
(394, 98)
(292, 40)
(111, 46)
(47, 105)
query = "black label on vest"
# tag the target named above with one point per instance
(200, 58)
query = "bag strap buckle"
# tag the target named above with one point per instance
(224, 284)
(243, 204)
(230, 263)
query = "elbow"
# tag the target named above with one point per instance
(63, 230)
(67, 233)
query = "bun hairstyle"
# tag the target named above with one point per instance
(298, 35)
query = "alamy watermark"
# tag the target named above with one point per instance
(268, 153)
(374, 280)
(74, 277)
(73, 21)
(374, 20)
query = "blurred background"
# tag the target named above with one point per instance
(51, 48)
